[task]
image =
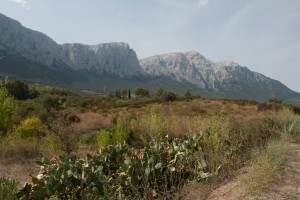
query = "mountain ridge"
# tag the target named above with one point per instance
(225, 77)
(39, 48)
(33, 56)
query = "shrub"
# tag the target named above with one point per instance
(50, 102)
(114, 119)
(170, 96)
(159, 92)
(7, 111)
(73, 119)
(62, 138)
(89, 138)
(141, 92)
(151, 125)
(120, 134)
(103, 138)
(43, 115)
(8, 189)
(30, 128)
(275, 100)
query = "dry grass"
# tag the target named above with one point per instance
(92, 121)
(19, 150)
(266, 166)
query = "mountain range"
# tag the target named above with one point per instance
(34, 57)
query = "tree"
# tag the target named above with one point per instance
(124, 93)
(129, 95)
(159, 92)
(7, 111)
(118, 94)
(170, 96)
(188, 95)
(141, 92)
(63, 138)
(18, 89)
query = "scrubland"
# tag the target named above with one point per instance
(95, 147)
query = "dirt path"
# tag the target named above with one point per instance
(287, 188)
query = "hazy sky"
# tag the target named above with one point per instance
(263, 35)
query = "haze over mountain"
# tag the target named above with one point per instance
(33, 56)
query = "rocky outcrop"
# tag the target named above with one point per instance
(112, 58)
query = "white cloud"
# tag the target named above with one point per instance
(23, 3)
(202, 3)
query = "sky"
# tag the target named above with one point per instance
(263, 35)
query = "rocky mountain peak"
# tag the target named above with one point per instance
(112, 58)
(194, 68)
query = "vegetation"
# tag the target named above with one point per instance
(143, 146)
(8, 189)
(295, 130)
(266, 166)
(7, 111)
(141, 92)
(30, 128)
